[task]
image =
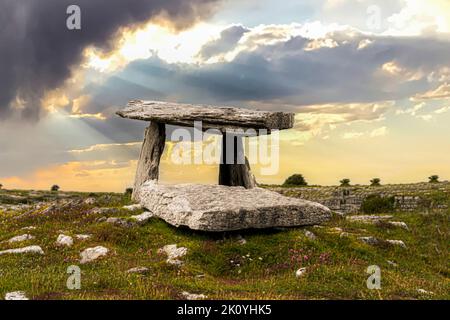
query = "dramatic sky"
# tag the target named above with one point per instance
(369, 82)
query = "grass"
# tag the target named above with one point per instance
(218, 265)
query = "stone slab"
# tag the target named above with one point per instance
(212, 117)
(223, 208)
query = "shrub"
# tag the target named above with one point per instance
(377, 204)
(433, 179)
(375, 182)
(54, 188)
(128, 191)
(345, 182)
(295, 180)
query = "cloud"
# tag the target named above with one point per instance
(379, 132)
(228, 39)
(441, 92)
(39, 53)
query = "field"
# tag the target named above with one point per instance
(255, 264)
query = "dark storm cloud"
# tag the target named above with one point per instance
(226, 42)
(288, 73)
(37, 51)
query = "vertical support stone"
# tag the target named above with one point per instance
(234, 169)
(151, 152)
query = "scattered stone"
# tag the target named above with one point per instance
(392, 263)
(370, 240)
(368, 218)
(64, 240)
(120, 222)
(225, 208)
(16, 295)
(310, 235)
(29, 228)
(240, 239)
(23, 237)
(399, 243)
(193, 296)
(100, 211)
(425, 292)
(30, 249)
(399, 224)
(90, 201)
(91, 254)
(200, 276)
(140, 270)
(300, 272)
(173, 253)
(83, 236)
(336, 230)
(143, 217)
(133, 207)
(344, 235)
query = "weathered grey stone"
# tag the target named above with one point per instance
(173, 253)
(193, 296)
(368, 218)
(23, 237)
(221, 208)
(64, 240)
(140, 270)
(310, 235)
(91, 254)
(83, 236)
(16, 295)
(150, 156)
(300, 272)
(29, 249)
(143, 217)
(221, 118)
(398, 243)
(133, 207)
(121, 222)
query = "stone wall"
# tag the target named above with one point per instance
(407, 197)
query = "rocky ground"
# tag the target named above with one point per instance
(123, 252)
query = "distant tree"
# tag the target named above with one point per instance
(128, 191)
(295, 180)
(375, 182)
(433, 179)
(55, 188)
(345, 182)
(1, 186)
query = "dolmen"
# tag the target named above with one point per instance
(236, 202)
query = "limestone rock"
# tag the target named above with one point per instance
(399, 224)
(310, 235)
(370, 240)
(90, 201)
(173, 253)
(212, 117)
(91, 254)
(193, 296)
(133, 207)
(140, 270)
(30, 249)
(23, 237)
(120, 222)
(16, 295)
(368, 218)
(300, 272)
(83, 236)
(143, 217)
(223, 208)
(399, 243)
(64, 240)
